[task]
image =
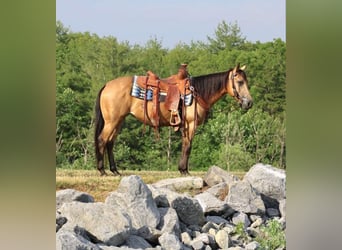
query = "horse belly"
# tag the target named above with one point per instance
(137, 110)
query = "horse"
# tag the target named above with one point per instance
(114, 102)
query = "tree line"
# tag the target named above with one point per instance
(231, 138)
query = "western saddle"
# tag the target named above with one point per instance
(174, 86)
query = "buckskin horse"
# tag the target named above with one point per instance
(132, 95)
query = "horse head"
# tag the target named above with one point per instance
(238, 87)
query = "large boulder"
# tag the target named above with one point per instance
(216, 175)
(188, 210)
(134, 197)
(169, 222)
(180, 184)
(212, 205)
(67, 239)
(103, 223)
(69, 195)
(243, 198)
(269, 181)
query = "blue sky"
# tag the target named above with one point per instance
(173, 21)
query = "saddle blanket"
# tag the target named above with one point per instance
(139, 92)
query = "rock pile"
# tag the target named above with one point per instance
(159, 216)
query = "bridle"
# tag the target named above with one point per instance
(235, 92)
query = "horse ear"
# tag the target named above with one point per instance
(243, 67)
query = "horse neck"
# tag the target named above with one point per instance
(212, 87)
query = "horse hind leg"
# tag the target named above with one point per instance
(112, 164)
(100, 156)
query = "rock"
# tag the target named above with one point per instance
(220, 191)
(203, 237)
(70, 240)
(107, 224)
(208, 225)
(269, 181)
(170, 242)
(135, 242)
(134, 197)
(69, 195)
(217, 220)
(282, 208)
(186, 238)
(272, 212)
(257, 223)
(223, 239)
(241, 218)
(169, 222)
(188, 210)
(60, 221)
(197, 244)
(211, 205)
(252, 245)
(216, 175)
(149, 234)
(180, 184)
(243, 198)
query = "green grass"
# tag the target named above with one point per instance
(271, 236)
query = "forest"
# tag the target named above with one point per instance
(231, 138)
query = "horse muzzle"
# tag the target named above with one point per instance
(246, 103)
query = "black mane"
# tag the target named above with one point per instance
(207, 85)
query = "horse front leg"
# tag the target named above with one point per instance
(183, 166)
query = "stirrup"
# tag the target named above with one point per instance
(175, 118)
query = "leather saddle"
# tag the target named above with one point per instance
(174, 86)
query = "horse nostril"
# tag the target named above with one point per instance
(250, 104)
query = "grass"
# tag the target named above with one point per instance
(99, 187)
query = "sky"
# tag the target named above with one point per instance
(173, 21)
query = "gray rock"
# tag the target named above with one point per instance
(170, 242)
(235, 248)
(169, 222)
(134, 197)
(149, 234)
(269, 181)
(257, 223)
(220, 190)
(135, 242)
(186, 238)
(243, 198)
(272, 212)
(211, 205)
(163, 196)
(104, 223)
(180, 184)
(204, 238)
(216, 175)
(282, 208)
(69, 195)
(60, 221)
(241, 218)
(252, 245)
(188, 210)
(217, 220)
(66, 240)
(197, 244)
(223, 239)
(208, 225)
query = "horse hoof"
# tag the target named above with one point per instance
(116, 173)
(103, 173)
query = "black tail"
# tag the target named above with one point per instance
(99, 123)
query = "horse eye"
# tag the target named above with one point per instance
(240, 82)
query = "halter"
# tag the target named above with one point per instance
(236, 94)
